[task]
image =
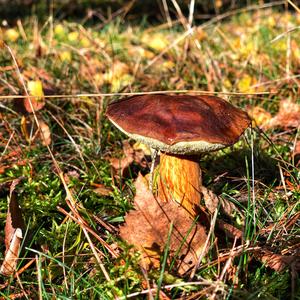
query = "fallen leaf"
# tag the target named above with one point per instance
(9, 264)
(210, 199)
(45, 134)
(65, 56)
(35, 89)
(259, 115)
(60, 31)
(288, 116)
(278, 262)
(30, 132)
(13, 233)
(116, 71)
(138, 51)
(230, 230)
(119, 82)
(102, 190)
(140, 146)
(121, 166)
(156, 41)
(245, 84)
(228, 207)
(73, 36)
(147, 228)
(11, 35)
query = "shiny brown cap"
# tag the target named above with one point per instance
(180, 124)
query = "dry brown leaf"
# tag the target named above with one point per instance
(13, 233)
(211, 200)
(102, 190)
(131, 156)
(36, 105)
(119, 165)
(148, 226)
(230, 230)
(228, 207)
(288, 116)
(278, 262)
(45, 134)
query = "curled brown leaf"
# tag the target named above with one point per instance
(13, 233)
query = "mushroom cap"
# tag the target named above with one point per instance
(179, 124)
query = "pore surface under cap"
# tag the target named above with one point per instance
(180, 123)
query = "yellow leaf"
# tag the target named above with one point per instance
(85, 42)
(259, 115)
(244, 85)
(65, 56)
(35, 88)
(227, 84)
(250, 48)
(11, 35)
(118, 82)
(98, 78)
(156, 41)
(24, 128)
(117, 70)
(73, 36)
(60, 31)
(140, 51)
(168, 65)
(141, 146)
(271, 21)
(280, 45)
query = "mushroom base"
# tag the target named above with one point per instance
(180, 179)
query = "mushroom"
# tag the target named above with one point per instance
(180, 127)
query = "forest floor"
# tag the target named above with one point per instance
(60, 156)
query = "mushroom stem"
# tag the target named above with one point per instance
(180, 179)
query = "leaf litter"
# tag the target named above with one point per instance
(147, 227)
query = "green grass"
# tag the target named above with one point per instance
(236, 54)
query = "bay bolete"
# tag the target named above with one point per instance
(180, 127)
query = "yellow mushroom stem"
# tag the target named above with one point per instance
(180, 180)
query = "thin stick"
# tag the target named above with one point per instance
(167, 13)
(143, 93)
(212, 227)
(154, 154)
(294, 6)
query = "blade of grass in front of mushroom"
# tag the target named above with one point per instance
(164, 262)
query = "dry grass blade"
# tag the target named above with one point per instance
(181, 91)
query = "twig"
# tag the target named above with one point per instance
(212, 227)
(145, 93)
